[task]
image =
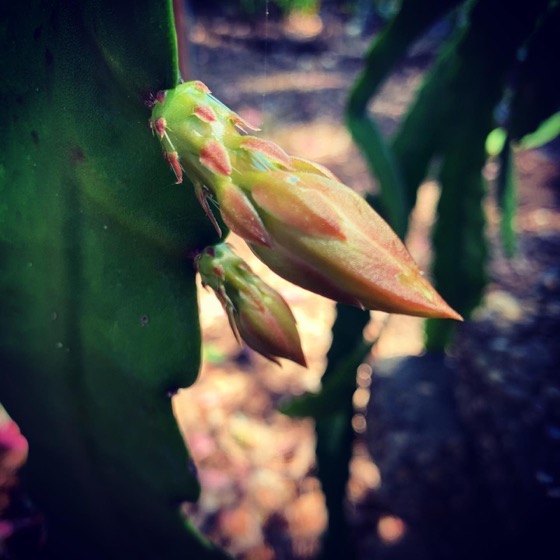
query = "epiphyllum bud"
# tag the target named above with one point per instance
(257, 313)
(295, 214)
(327, 239)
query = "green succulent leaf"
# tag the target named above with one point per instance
(536, 96)
(507, 198)
(546, 132)
(99, 315)
(394, 202)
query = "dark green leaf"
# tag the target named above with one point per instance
(386, 50)
(333, 410)
(476, 73)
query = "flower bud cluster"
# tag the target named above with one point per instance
(296, 216)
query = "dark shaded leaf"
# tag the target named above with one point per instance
(475, 74)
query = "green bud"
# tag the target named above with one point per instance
(256, 312)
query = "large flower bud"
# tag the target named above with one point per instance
(256, 313)
(327, 239)
(295, 214)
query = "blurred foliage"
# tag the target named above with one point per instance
(495, 70)
(245, 8)
(100, 319)
(497, 62)
(95, 247)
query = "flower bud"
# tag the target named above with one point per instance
(257, 313)
(296, 216)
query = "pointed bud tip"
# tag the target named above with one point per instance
(435, 306)
(241, 122)
(299, 359)
(241, 217)
(272, 151)
(450, 313)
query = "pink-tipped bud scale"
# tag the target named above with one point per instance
(214, 157)
(205, 113)
(159, 126)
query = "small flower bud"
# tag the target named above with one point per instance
(257, 313)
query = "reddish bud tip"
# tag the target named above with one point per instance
(240, 215)
(201, 86)
(269, 149)
(203, 194)
(301, 164)
(241, 122)
(160, 96)
(219, 272)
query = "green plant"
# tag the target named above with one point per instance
(295, 215)
(99, 315)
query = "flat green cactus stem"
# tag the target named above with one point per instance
(98, 304)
